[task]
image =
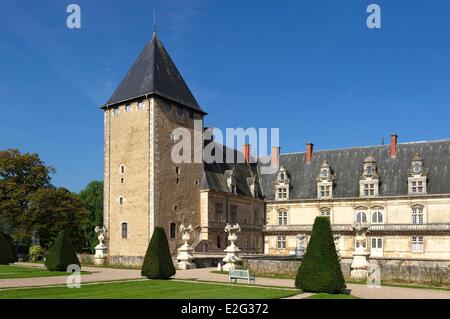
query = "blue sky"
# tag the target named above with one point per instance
(311, 68)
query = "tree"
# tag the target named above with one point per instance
(52, 210)
(320, 270)
(158, 262)
(21, 175)
(7, 250)
(92, 198)
(61, 254)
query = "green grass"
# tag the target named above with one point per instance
(149, 289)
(10, 271)
(323, 295)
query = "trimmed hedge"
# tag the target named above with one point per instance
(158, 261)
(320, 270)
(61, 254)
(7, 250)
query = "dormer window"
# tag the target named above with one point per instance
(140, 105)
(231, 181)
(417, 176)
(369, 181)
(282, 185)
(325, 181)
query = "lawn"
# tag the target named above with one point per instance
(323, 295)
(149, 289)
(10, 271)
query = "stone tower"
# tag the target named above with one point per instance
(144, 188)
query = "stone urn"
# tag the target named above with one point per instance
(231, 258)
(361, 254)
(184, 256)
(101, 250)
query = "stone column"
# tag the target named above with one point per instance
(231, 258)
(184, 252)
(361, 254)
(101, 250)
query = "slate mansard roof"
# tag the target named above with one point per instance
(154, 72)
(215, 174)
(347, 166)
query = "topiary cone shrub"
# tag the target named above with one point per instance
(158, 261)
(7, 250)
(61, 254)
(320, 270)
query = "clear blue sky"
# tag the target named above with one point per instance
(312, 68)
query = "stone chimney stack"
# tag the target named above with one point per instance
(309, 152)
(394, 145)
(246, 151)
(275, 156)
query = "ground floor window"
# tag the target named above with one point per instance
(124, 230)
(377, 243)
(417, 244)
(173, 230)
(281, 242)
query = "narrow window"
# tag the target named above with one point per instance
(417, 244)
(177, 170)
(175, 207)
(219, 212)
(233, 214)
(417, 215)
(178, 180)
(121, 180)
(124, 230)
(219, 244)
(361, 217)
(122, 169)
(281, 242)
(120, 200)
(173, 230)
(377, 217)
(282, 218)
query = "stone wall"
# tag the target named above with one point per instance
(432, 272)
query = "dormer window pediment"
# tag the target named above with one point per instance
(417, 176)
(325, 181)
(282, 185)
(369, 181)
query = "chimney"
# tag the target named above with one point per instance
(309, 152)
(246, 151)
(393, 145)
(275, 156)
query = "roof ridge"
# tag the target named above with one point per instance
(368, 146)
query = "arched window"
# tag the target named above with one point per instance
(173, 230)
(282, 176)
(219, 243)
(377, 217)
(124, 230)
(361, 217)
(282, 218)
(417, 215)
(325, 212)
(369, 170)
(325, 173)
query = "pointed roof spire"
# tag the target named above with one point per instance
(154, 73)
(154, 21)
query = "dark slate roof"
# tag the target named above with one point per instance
(154, 73)
(347, 166)
(214, 177)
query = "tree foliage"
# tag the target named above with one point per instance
(92, 198)
(158, 262)
(21, 175)
(7, 250)
(61, 253)
(52, 210)
(320, 270)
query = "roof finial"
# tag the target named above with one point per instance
(154, 21)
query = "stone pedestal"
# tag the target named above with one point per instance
(101, 250)
(184, 256)
(232, 250)
(359, 265)
(360, 255)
